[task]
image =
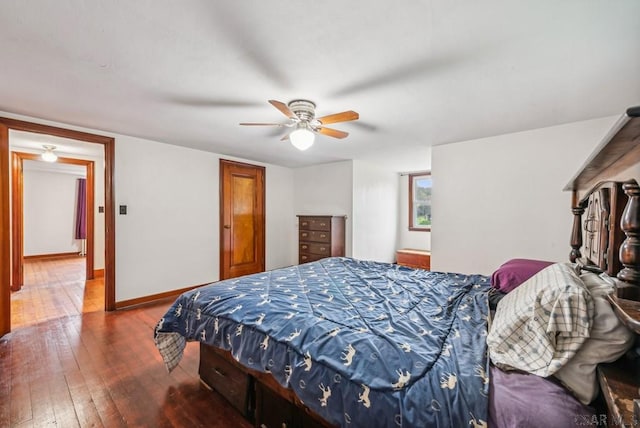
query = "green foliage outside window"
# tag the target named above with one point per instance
(420, 201)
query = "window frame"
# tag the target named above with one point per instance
(412, 178)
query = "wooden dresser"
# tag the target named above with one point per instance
(320, 236)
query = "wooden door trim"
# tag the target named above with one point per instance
(17, 213)
(5, 233)
(262, 169)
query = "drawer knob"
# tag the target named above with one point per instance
(304, 247)
(322, 249)
(322, 235)
(323, 224)
(304, 257)
(305, 234)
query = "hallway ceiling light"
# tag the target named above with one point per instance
(48, 155)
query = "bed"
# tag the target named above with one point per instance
(355, 340)
(345, 342)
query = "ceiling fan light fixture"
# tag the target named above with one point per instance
(48, 155)
(302, 118)
(302, 138)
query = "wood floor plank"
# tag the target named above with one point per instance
(83, 403)
(42, 405)
(5, 381)
(20, 395)
(68, 363)
(62, 403)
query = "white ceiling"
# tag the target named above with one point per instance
(420, 73)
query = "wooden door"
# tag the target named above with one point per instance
(242, 219)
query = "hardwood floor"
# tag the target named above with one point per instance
(68, 363)
(54, 288)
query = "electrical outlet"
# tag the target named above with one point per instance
(123, 210)
(100, 209)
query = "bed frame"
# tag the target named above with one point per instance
(609, 214)
(611, 226)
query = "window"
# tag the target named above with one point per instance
(420, 201)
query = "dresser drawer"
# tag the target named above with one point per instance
(315, 223)
(320, 236)
(306, 258)
(226, 378)
(314, 248)
(315, 236)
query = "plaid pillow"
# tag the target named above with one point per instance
(540, 325)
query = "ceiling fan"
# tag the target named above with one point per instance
(301, 114)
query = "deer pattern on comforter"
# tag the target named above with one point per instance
(361, 343)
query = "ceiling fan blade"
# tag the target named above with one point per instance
(261, 124)
(283, 108)
(345, 116)
(332, 132)
(285, 137)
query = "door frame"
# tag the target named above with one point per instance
(7, 124)
(17, 214)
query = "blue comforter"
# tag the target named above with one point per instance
(361, 343)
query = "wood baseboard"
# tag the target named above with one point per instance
(154, 297)
(98, 273)
(53, 256)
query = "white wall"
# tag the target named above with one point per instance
(49, 212)
(409, 238)
(501, 197)
(326, 190)
(375, 212)
(98, 236)
(372, 196)
(282, 233)
(169, 238)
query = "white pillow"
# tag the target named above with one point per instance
(609, 339)
(539, 326)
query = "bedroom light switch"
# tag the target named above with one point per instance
(100, 209)
(123, 209)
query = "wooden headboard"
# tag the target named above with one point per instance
(595, 238)
(606, 237)
(619, 150)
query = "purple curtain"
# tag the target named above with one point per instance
(81, 210)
